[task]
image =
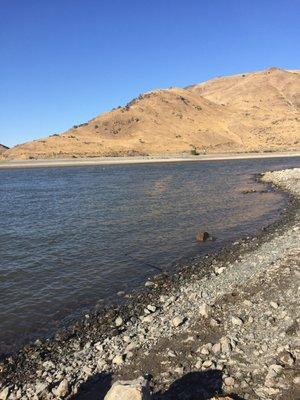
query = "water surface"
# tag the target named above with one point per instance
(72, 237)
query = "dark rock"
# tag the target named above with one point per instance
(204, 236)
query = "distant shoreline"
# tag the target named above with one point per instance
(70, 162)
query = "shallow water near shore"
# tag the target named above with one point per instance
(73, 237)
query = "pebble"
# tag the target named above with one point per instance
(229, 381)
(118, 360)
(40, 387)
(216, 348)
(149, 284)
(151, 308)
(207, 364)
(149, 318)
(4, 393)
(177, 321)
(237, 321)
(119, 321)
(296, 380)
(274, 305)
(62, 389)
(204, 310)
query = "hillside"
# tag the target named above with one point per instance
(257, 111)
(3, 148)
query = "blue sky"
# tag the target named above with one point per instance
(64, 61)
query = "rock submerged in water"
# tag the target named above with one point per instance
(137, 389)
(204, 236)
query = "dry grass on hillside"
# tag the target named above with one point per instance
(257, 111)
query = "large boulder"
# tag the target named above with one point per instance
(137, 389)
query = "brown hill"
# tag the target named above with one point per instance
(3, 148)
(247, 112)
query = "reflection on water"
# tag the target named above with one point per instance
(71, 237)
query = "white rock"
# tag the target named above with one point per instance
(137, 389)
(177, 321)
(62, 389)
(119, 321)
(151, 308)
(237, 321)
(4, 393)
(40, 387)
(118, 360)
(296, 380)
(229, 381)
(216, 348)
(207, 364)
(87, 370)
(226, 346)
(149, 284)
(148, 318)
(274, 305)
(179, 370)
(204, 351)
(204, 310)
(275, 368)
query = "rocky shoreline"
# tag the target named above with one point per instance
(225, 325)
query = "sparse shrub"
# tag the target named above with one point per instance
(194, 152)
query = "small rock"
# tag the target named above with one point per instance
(273, 371)
(226, 346)
(204, 351)
(149, 318)
(296, 380)
(271, 391)
(229, 381)
(119, 321)
(237, 321)
(274, 305)
(88, 371)
(149, 284)
(118, 360)
(204, 310)
(137, 389)
(214, 322)
(151, 308)
(207, 364)
(62, 389)
(4, 393)
(40, 387)
(219, 271)
(287, 359)
(177, 321)
(216, 348)
(179, 370)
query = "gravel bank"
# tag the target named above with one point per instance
(227, 325)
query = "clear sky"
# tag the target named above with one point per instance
(64, 61)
